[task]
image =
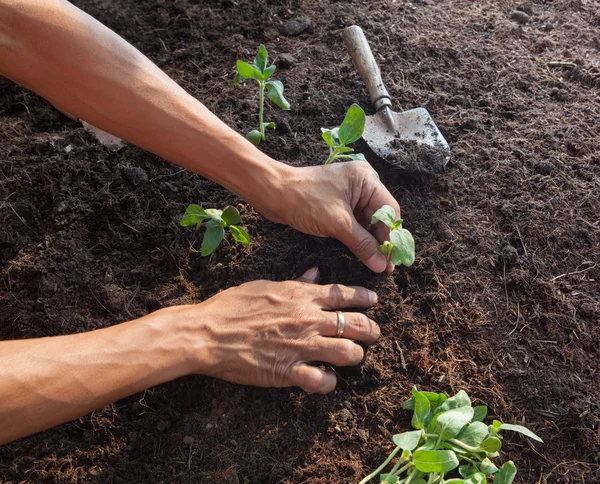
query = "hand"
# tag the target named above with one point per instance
(336, 200)
(267, 334)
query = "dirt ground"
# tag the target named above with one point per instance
(503, 300)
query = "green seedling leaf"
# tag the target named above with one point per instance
(480, 413)
(450, 423)
(239, 234)
(422, 408)
(386, 249)
(466, 471)
(254, 137)
(474, 434)
(354, 157)
(406, 454)
(435, 460)
(270, 125)
(487, 467)
(520, 429)
(461, 399)
(328, 137)
(435, 400)
(385, 215)
(247, 71)
(194, 215)
(238, 79)
(491, 444)
(344, 149)
(353, 125)
(275, 94)
(260, 61)
(214, 214)
(388, 478)
(231, 216)
(212, 238)
(408, 440)
(404, 247)
(506, 474)
(477, 478)
(268, 72)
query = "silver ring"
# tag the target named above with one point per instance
(341, 324)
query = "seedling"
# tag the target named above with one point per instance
(261, 73)
(350, 131)
(450, 434)
(400, 249)
(217, 222)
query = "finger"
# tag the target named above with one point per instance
(337, 351)
(312, 379)
(337, 296)
(364, 246)
(357, 327)
(311, 276)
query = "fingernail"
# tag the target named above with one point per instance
(372, 297)
(311, 274)
(377, 262)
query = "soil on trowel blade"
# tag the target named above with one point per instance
(416, 157)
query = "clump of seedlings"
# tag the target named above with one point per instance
(217, 222)
(400, 249)
(450, 445)
(259, 71)
(350, 131)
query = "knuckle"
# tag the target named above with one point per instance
(336, 295)
(349, 353)
(363, 324)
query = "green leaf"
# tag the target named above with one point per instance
(406, 454)
(397, 223)
(422, 408)
(354, 157)
(435, 400)
(214, 214)
(491, 444)
(461, 399)
(353, 125)
(477, 478)
(212, 237)
(487, 467)
(328, 137)
(247, 71)
(194, 214)
(386, 248)
(521, 430)
(239, 234)
(404, 248)
(408, 440)
(231, 216)
(474, 434)
(480, 413)
(466, 471)
(237, 79)
(254, 137)
(495, 427)
(260, 61)
(506, 474)
(450, 423)
(386, 215)
(275, 94)
(435, 460)
(344, 149)
(268, 72)
(388, 478)
(270, 125)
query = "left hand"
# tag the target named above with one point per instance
(338, 201)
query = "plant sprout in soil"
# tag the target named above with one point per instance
(400, 249)
(217, 222)
(350, 131)
(450, 445)
(259, 71)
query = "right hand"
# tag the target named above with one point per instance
(267, 333)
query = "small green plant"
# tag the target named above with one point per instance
(217, 222)
(350, 131)
(400, 249)
(450, 434)
(261, 73)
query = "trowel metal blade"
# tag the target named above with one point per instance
(416, 145)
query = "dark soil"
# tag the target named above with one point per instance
(503, 300)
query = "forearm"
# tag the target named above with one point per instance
(63, 54)
(47, 381)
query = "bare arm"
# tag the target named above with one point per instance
(261, 333)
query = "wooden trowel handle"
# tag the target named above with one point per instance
(365, 64)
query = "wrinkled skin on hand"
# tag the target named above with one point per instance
(267, 333)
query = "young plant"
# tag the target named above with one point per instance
(350, 131)
(261, 73)
(450, 434)
(400, 249)
(217, 222)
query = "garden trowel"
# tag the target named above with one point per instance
(409, 140)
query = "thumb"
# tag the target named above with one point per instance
(311, 276)
(364, 246)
